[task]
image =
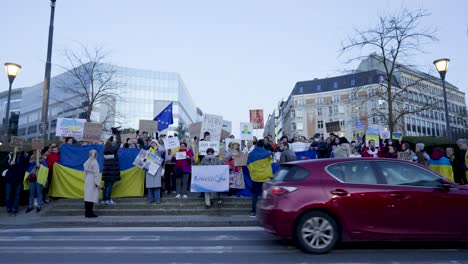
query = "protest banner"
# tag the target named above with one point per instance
(16, 141)
(210, 178)
(204, 145)
(256, 118)
(92, 132)
(37, 143)
(70, 127)
(384, 135)
(397, 136)
(246, 131)
(171, 143)
(300, 146)
(240, 160)
(149, 126)
(212, 124)
(140, 159)
(333, 126)
(372, 134)
(181, 155)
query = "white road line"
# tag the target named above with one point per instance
(132, 238)
(134, 229)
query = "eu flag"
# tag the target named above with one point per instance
(164, 118)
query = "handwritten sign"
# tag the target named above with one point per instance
(246, 131)
(92, 132)
(181, 155)
(171, 143)
(204, 145)
(212, 124)
(16, 141)
(70, 127)
(210, 178)
(149, 126)
(37, 143)
(240, 160)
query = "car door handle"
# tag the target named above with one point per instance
(339, 192)
(400, 196)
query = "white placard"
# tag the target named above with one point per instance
(210, 178)
(204, 145)
(171, 143)
(246, 131)
(153, 168)
(70, 127)
(300, 146)
(181, 155)
(212, 124)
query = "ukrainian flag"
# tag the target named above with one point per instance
(259, 164)
(41, 173)
(443, 167)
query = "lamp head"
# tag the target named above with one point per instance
(12, 69)
(442, 66)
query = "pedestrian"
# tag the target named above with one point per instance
(405, 153)
(17, 163)
(421, 157)
(389, 150)
(371, 151)
(343, 149)
(250, 146)
(287, 154)
(183, 166)
(324, 149)
(52, 157)
(153, 182)
(92, 184)
(259, 164)
(440, 164)
(210, 160)
(35, 188)
(111, 169)
(236, 176)
(461, 162)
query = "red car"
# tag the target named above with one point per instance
(322, 202)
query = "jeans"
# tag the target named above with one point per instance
(35, 189)
(181, 182)
(15, 190)
(256, 190)
(154, 194)
(107, 192)
(169, 177)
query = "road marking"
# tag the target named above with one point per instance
(134, 229)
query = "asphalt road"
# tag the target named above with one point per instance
(200, 245)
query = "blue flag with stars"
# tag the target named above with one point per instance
(164, 118)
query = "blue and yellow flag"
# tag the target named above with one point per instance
(443, 167)
(259, 164)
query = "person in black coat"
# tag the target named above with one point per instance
(17, 163)
(111, 168)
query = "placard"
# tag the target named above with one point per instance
(299, 146)
(204, 145)
(153, 168)
(212, 124)
(140, 159)
(385, 135)
(181, 155)
(171, 143)
(256, 118)
(246, 131)
(92, 132)
(397, 136)
(210, 178)
(70, 127)
(149, 126)
(241, 160)
(16, 141)
(37, 143)
(333, 126)
(372, 134)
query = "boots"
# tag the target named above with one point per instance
(89, 213)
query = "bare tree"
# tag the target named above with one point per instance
(91, 81)
(393, 42)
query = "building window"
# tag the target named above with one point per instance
(299, 126)
(319, 87)
(335, 85)
(301, 89)
(319, 100)
(342, 123)
(336, 98)
(335, 109)
(319, 111)
(320, 124)
(330, 110)
(298, 113)
(293, 126)
(353, 82)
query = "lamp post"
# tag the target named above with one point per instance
(45, 95)
(442, 67)
(12, 69)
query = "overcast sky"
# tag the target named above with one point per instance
(232, 55)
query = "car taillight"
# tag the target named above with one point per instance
(279, 190)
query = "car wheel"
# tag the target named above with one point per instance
(317, 232)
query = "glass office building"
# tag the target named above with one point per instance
(142, 94)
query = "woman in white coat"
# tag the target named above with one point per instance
(92, 184)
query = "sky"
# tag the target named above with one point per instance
(232, 55)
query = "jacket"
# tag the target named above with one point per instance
(92, 181)
(287, 156)
(15, 173)
(111, 168)
(211, 161)
(342, 151)
(184, 165)
(51, 159)
(154, 181)
(441, 165)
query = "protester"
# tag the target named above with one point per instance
(169, 171)
(343, 149)
(17, 163)
(259, 164)
(52, 157)
(324, 149)
(421, 157)
(210, 160)
(35, 188)
(287, 155)
(461, 162)
(389, 150)
(111, 169)
(183, 168)
(92, 184)
(440, 164)
(250, 146)
(405, 153)
(153, 182)
(371, 151)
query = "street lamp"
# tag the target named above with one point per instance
(442, 67)
(12, 69)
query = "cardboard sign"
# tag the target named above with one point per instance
(149, 126)
(171, 143)
(256, 118)
(385, 135)
(70, 127)
(204, 145)
(37, 143)
(210, 178)
(333, 126)
(92, 132)
(16, 141)
(212, 124)
(372, 134)
(246, 131)
(241, 160)
(181, 155)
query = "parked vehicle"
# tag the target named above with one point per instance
(322, 202)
